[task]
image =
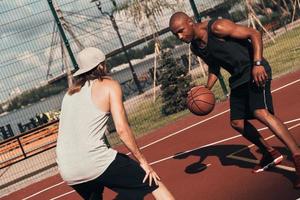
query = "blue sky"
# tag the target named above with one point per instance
(26, 28)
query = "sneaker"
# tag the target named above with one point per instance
(268, 160)
(296, 159)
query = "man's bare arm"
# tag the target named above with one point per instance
(227, 28)
(211, 80)
(121, 122)
(123, 129)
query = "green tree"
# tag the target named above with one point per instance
(175, 84)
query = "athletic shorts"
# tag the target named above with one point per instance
(248, 97)
(124, 176)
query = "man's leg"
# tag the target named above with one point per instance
(270, 157)
(239, 112)
(91, 190)
(162, 193)
(278, 128)
(239, 106)
(260, 102)
(250, 132)
(281, 131)
(125, 176)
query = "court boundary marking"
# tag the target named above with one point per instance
(224, 140)
(214, 116)
(191, 150)
(171, 135)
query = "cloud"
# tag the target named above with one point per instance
(26, 35)
(30, 59)
(22, 4)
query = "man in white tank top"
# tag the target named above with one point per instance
(84, 160)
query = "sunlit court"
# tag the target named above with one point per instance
(100, 98)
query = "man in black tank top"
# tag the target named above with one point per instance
(239, 50)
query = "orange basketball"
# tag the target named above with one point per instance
(200, 101)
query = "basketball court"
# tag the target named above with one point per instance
(203, 158)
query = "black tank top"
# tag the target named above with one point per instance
(234, 55)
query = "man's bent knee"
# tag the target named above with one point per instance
(237, 124)
(262, 113)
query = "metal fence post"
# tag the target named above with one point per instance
(62, 33)
(198, 19)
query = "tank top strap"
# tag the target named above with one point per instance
(90, 87)
(86, 90)
(89, 90)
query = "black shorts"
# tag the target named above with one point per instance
(124, 176)
(246, 98)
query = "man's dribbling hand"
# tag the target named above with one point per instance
(259, 75)
(150, 174)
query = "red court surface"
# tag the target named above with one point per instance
(204, 158)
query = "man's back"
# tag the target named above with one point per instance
(81, 148)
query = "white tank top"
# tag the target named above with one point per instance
(82, 154)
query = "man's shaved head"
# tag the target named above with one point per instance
(178, 17)
(181, 26)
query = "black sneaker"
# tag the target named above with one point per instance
(268, 160)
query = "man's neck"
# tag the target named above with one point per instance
(201, 33)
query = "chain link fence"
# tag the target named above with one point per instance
(35, 63)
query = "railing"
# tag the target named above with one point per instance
(28, 144)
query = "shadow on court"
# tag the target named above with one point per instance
(223, 151)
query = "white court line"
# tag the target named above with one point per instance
(211, 144)
(62, 195)
(177, 132)
(186, 128)
(251, 145)
(191, 126)
(197, 148)
(65, 194)
(233, 156)
(39, 192)
(152, 163)
(286, 85)
(224, 140)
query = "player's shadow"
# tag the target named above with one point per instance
(221, 151)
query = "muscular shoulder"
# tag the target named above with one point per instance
(106, 89)
(113, 86)
(222, 26)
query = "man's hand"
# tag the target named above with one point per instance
(259, 75)
(150, 174)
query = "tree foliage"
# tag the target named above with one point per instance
(175, 84)
(147, 11)
(140, 53)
